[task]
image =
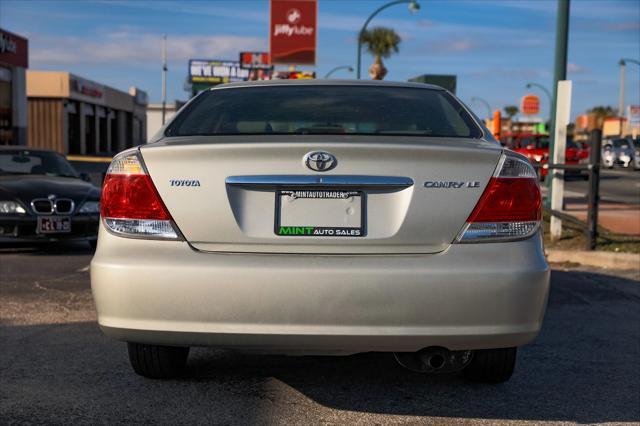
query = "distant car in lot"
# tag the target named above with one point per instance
(536, 148)
(617, 152)
(44, 199)
(323, 217)
(636, 153)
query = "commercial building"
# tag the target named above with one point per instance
(14, 60)
(154, 115)
(77, 116)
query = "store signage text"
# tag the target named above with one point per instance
(14, 49)
(7, 44)
(293, 32)
(83, 88)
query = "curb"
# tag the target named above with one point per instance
(600, 259)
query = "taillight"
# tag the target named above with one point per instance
(510, 207)
(130, 204)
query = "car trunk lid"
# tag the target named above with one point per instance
(256, 194)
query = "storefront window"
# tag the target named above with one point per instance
(73, 128)
(90, 129)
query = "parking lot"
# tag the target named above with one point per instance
(56, 367)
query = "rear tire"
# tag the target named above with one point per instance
(491, 365)
(157, 362)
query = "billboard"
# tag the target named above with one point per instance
(293, 31)
(255, 60)
(530, 105)
(443, 80)
(215, 71)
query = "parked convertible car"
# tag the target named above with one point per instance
(536, 148)
(323, 217)
(43, 199)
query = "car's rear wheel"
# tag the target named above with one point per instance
(157, 362)
(491, 365)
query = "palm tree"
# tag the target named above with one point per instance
(511, 111)
(382, 43)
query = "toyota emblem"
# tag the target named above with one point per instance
(320, 161)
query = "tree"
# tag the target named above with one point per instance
(604, 111)
(381, 42)
(511, 111)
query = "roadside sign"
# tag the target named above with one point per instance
(293, 31)
(255, 60)
(293, 75)
(633, 115)
(530, 105)
(443, 80)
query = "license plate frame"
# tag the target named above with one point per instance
(53, 225)
(321, 231)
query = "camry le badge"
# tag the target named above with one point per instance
(320, 161)
(451, 184)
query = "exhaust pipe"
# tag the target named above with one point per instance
(434, 359)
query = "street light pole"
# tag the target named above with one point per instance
(560, 73)
(485, 103)
(541, 87)
(413, 6)
(623, 63)
(621, 98)
(347, 67)
(546, 91)
(164, 78)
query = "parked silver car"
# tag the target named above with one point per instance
(617, 152)
(323, 217)
(636, 154)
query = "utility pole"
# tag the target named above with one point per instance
(621, 99)
(164, 77)
(560, 73)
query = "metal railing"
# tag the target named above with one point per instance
(593, 196)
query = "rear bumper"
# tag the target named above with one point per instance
(469, 297)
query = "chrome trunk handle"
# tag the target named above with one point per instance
(267, 182)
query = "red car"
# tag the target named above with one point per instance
(536, 148)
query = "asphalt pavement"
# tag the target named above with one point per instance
(56, 367)
(617, 185)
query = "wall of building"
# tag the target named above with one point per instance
(46, 124)
(154, 117)
(86, 117)
(48, 84)
(14, 60)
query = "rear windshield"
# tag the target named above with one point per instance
(25, 162)
(359, 110)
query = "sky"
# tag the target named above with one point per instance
(495, 47)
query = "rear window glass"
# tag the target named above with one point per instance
(366, 110)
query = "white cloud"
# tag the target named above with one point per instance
(575, 68)
(133, 48)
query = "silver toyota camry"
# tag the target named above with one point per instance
(323, 217)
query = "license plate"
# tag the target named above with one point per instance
(54, 224)
(320, 213)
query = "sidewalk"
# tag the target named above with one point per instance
(616, 217)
